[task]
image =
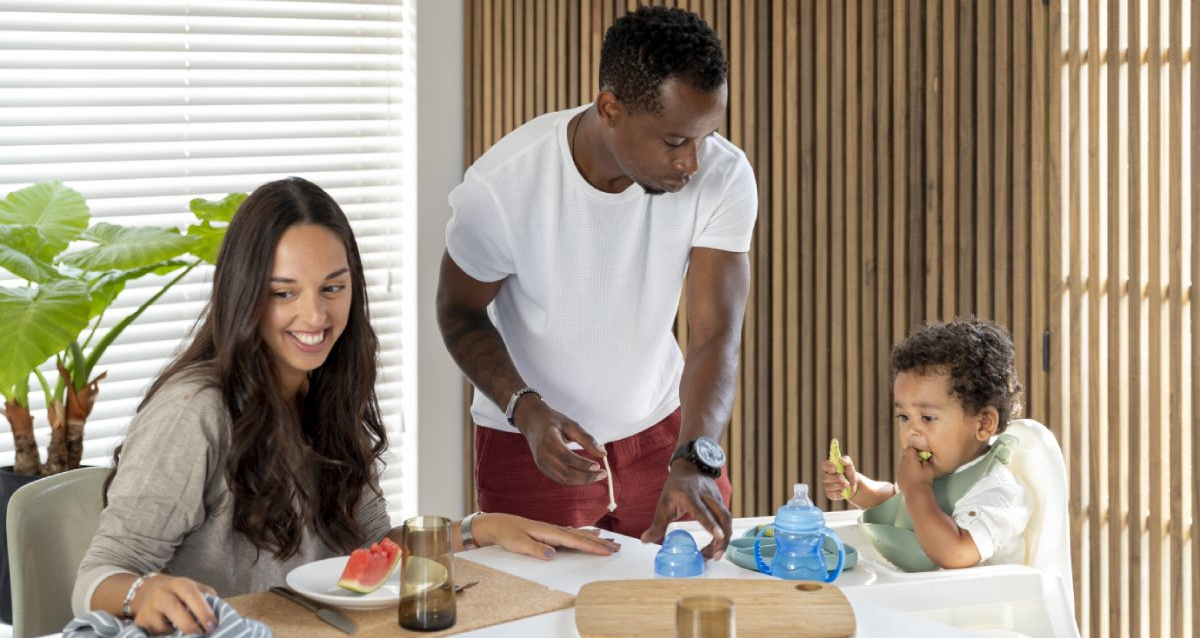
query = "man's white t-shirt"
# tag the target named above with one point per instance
(591, 279)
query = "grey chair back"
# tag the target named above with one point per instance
(51, 522)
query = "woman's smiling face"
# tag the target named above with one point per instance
(932, 419)
(308, 302)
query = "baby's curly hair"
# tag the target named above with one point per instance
(978, 356)
(645, 47)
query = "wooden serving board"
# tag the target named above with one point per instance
(762, 608)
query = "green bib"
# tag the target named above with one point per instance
(890, 528)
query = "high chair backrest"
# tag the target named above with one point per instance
(1039, 464)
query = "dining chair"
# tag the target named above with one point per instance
(51, 522)
(1038, 463)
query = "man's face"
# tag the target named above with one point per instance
(661, 152)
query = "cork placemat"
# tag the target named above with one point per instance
(498, 598)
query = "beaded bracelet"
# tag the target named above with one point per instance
(125, 608)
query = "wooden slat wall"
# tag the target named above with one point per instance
(1030, 162)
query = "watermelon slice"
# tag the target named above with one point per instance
(369, 568)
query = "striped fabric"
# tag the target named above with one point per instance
(101, 624)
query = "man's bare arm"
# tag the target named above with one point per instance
(717, 287)
(469, 334)
(480, 352)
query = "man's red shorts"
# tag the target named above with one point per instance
(508, 481)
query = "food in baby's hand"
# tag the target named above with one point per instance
(924, 455)
(369, 568)
(835, 457)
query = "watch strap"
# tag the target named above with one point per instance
(680, 452)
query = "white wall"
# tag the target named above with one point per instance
(440, 106)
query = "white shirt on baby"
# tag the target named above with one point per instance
(995, 511)
(591, 279)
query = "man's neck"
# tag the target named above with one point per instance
(592, 158)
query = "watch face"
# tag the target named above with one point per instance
(709, 452)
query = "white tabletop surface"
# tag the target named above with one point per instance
(997, 601)
(989, 601)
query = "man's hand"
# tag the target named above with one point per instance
(687, 491)
(548, 433)
(913, 473)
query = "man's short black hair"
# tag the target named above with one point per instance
(978, 357)
(645, 47)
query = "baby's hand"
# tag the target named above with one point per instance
(913, 472)
(834, 483)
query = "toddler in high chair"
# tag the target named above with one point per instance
(954, 502)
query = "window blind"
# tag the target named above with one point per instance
(142, 105)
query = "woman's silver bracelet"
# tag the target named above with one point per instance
(137, 584)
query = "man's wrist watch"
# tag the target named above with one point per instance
(465, 533)
(704, 453)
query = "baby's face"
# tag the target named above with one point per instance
(931, 419)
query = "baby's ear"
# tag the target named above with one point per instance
(989, 420)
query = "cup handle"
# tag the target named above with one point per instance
(830, 576)
(758, 559)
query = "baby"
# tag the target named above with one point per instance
(955, 390)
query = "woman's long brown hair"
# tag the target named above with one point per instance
(290, 468)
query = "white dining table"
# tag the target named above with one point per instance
(997, 601)
(1000, 601)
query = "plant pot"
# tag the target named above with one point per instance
(9, 483)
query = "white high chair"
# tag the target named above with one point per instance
(1038, 463)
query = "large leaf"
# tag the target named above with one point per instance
(19, 248)
(58, 213)
(106, 287)
(214, 216)
(219, 210)
(208, 240)
(127, 248)
(38, 322)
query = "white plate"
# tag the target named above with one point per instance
(318, 581)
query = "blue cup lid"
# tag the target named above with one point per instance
(679, 556)
(799, 514)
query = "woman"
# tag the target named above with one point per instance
(257, 449)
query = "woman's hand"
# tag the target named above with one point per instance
(165, 603)
(537, 539)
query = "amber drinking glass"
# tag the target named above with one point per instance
(427, 574)
(704, 617)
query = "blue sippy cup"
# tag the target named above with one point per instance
(800, 534)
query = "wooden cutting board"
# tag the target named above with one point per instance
(762, 608)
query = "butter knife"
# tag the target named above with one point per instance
(339, 621)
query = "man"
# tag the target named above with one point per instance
(564, 263)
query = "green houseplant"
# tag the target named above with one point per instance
(73, 272)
